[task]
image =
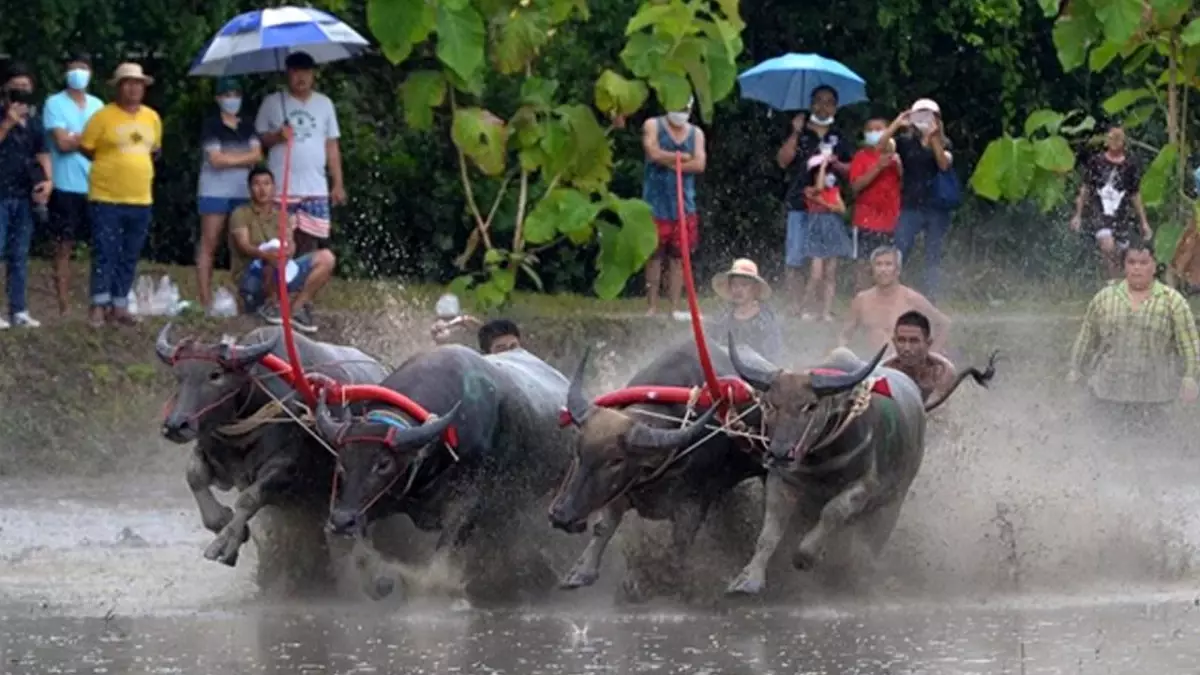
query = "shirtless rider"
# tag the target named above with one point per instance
(878, 308)
(932, 372)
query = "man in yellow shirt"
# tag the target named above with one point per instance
(122, 139)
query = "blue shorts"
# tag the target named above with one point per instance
(219, 206)
(251, 285)
(794, 242)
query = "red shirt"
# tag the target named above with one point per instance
(829, 194)
(877, 207)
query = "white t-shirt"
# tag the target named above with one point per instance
(313, 122)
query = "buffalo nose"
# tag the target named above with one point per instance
(561, 521)
(175, 429)
(343, 521)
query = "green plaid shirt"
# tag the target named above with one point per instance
(1137, 355)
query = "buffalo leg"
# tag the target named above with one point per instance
(685, 525)
(225, 547)
(840, 510)
(781, 500)
(213, 514)
(586, 570)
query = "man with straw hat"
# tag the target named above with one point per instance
(748, 317)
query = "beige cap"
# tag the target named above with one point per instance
(130, 71)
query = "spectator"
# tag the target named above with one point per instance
(1186, 263)
(875, 175)
(252, 229)
(25, 173)
(748, 317)
(826, 239)
(122, 139)
(65, 116)
(877, 309)
(811, 134)
(924, 152)
(662, 137)
(1111, 218)
(231, 148)
(1137, 338)
(311, 119)
(495, 337)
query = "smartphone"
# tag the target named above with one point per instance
(20, 96)
(921, 118)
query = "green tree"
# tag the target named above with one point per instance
(556, 154)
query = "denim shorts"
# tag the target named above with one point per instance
(794, 242)
(251, 285)
(219, 206)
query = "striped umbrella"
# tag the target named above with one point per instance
(260, 41)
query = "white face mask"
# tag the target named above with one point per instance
(872, 137)
(678, 119)
(823, 121)
(830, 180)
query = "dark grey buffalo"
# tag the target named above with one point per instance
(622, 461)
(840, 456)
(510, 453)
(218, 403)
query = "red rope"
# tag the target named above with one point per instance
(285, 306)
(710, 375)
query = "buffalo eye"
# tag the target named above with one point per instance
(216, 376)
(385, 465)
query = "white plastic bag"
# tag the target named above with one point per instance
(223, 304)
(144, 292)
(448, 307)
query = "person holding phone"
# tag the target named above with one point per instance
(25, 174)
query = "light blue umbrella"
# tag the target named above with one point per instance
(260, 41)
(787, 82)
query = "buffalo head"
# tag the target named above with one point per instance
(208, 380)
(379, 453)
(613, 451)
(799, 408)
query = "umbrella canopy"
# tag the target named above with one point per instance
(787, 82)
(260, 41)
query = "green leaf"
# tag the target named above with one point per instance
(1121, 19)
(422, 91)
(672, 89)
(1054, 155)
(494, 256)
(1123, 99)
(461, 285)
(399, 25)
(644, 54)
(533, 276)
(504, 279)
(1191, 33)
(1072, 37)
(481, 137)
(722, 69)
(1049, 120)
(564, 211)
(516, 38)
(1101, 56)
(1019, 168)
(489, 295)
(1049, 8)
(733, 15)
(624, 250)
(460, 42)
(616, 95)
(1048, 189)
(990, 168)
(1169, 14)
(651, 14)
(590, 164)
(1137, 59)
(561, 10)
(1139, 116)
(538, 92)
(1086, 124)
(1153, 188)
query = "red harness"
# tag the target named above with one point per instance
(736, 392)
(880, 387)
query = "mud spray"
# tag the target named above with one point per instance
(1022, 491)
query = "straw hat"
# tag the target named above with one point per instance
(746, 269)
(130, 71)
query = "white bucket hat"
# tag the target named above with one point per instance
(926, 104)
(746, 269)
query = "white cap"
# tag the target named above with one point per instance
(926, 104)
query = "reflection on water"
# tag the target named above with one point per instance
(1160, 638)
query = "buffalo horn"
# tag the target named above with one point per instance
(828, 385)
(163, 346)
(577, 404)
(247, 355)
(655, 438)
(755, 377)
(326, 425)
(419, 437)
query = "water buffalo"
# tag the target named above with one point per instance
(510, 452)
(270, 463)
(618, 454)
(839, 455)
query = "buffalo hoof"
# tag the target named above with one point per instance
(744, 585)
(225, 548)
(579, 578)
(633, 591)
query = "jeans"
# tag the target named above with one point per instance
(16, 229)
(118, 234)
(935, 223)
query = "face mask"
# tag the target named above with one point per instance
(78, 78)
(678, 118)
(230, 105)
(872, 137)
(822, 121)
(830, 181)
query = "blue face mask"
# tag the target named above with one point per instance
(78, 78)
(872, 137)
(230, 105)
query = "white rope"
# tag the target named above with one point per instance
(732, 432)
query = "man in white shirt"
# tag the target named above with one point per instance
(312, 120)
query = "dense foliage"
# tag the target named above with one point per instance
(990, 64)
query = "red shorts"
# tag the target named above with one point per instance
(668, 236)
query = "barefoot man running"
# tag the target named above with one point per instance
(878, 308)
